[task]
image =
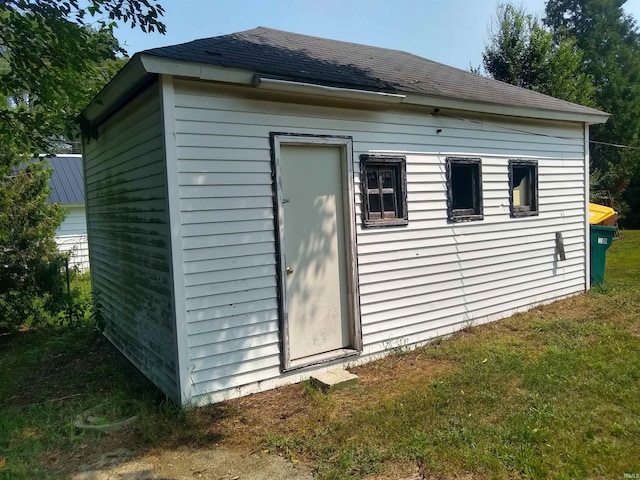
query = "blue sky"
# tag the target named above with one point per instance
(453, 32)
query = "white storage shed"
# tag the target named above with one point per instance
(264, 205)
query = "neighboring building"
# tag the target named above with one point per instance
(67, 186)
(264, 205)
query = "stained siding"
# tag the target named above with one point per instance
(129, 237)
(416, 282)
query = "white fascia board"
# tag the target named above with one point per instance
(128, 79)
(180, 68)
(326, 91)
(440, 102)
(71, 155)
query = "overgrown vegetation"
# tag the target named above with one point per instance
(551, 393)
(33, 289)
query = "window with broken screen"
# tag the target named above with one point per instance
(384, 190)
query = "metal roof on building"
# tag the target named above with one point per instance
(67, 181)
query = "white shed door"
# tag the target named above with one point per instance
(314, 250)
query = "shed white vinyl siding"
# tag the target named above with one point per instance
(71, 237)
(128, 225)
(416, 282)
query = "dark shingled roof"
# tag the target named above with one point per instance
(67, 181)
(302, 58)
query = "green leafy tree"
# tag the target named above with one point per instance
(52, 62)
(523, 52)
(610, 44)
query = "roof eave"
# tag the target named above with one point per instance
(143, 65)
(201, 71)
(127, 80)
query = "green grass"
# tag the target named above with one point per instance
(550, 394)
(623, 262)
(563, 404)
(50, 375)
(47, 378)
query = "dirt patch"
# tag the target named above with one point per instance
(216, 463)
(634, 329)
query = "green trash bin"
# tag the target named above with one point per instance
(601, 240)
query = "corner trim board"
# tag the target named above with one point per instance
(167, 99)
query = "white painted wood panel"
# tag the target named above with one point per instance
(71, 237)
(200, 293)
(237, 240)
(416, 282)
(202, 365)
(78, 249)
(439, 325)
(200, 354)
(74, 223)
(228, 101)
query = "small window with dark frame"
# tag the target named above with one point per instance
(464, 189)
(523, 188)
(384, 190)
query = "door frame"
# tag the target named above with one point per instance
(277, 140)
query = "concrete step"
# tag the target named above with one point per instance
(333, 380)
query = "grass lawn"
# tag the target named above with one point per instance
(552, 393)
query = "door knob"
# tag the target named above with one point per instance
(289, 270)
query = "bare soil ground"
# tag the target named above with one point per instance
(217, 463)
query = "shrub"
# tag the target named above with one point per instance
(30, 263)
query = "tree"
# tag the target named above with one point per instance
(522, 51)
(610, 43)
(29, 260)
(51, 64)
(49, 59)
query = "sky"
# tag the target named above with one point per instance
(453, 32)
